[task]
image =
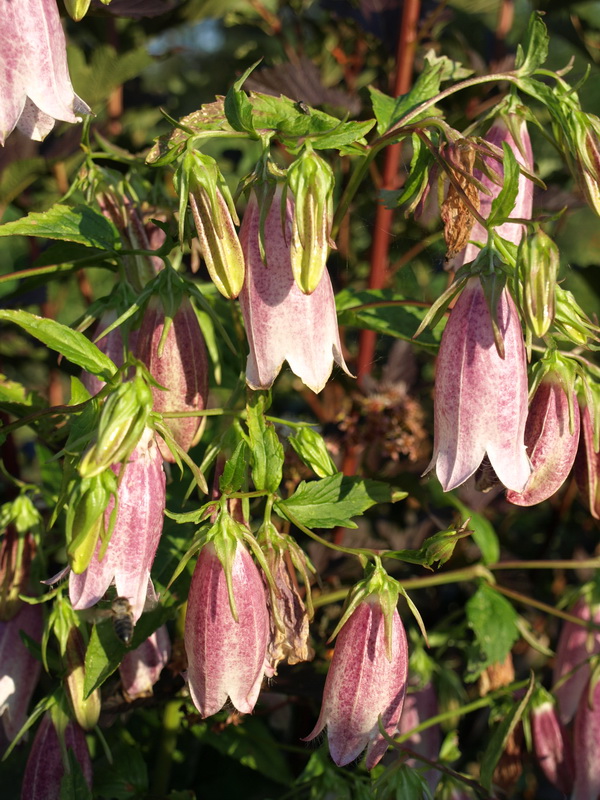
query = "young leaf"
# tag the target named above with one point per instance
(504, 203)
(73, 345)
(311, 448)
(494, 623)
(234, 471)
(70, 223)
(333, 501)
(238, 107)
(267, 450)
(535, 48)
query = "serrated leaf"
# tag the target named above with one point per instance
(70, 224)
(494, 623)
(500, 737)
(333, 501)
(266, 449)
(238, 108)
(73, 345)
(209, 117)
(105, 650)
(535, 47)
(388, 313)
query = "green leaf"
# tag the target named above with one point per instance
(73, 785)
(311, 448)
(126, 777)
(333, 501)
(267, 450)
(209, 117)
(500, 737)
(386, 312)
(234, 471)
(70, 224)
(73, 345)
(416, 183)
(238, 107)
(484, 535)
(503, 204)
(494, 623)
(534, 51)
(105, 650)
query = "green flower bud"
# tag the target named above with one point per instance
(587, 150)
(86, 709)
(122, 421)
(85, 517)
(199, 179)
(537, 261)
(571, 321)
(311, 181)
(77, 9)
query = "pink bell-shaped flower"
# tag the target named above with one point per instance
(585, 744)
(19, 669)
(140, 668)
(551, 444)
(575, 647)
(551, 744)
(45, 766)
(226, 656)
(283, 323)
(362, 684)
(35, 87)
(587, 464)
(480, 398)
(132, 547)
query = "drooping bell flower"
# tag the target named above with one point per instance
(180, 364)
(551, 440)
(130, 553)
(140, 668)
(226, 631)
(366, 680)
(587, 463)
(575, 647)
(551, 743)
(282, 323)
(45, 766)
(35, 87)
(19, 669)
(585, 744)
(480, 398)
(497, 135)
(419, 706)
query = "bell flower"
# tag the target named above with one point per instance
(180, 365)
(45, 766)
(587, 463)
(497, 134)
(130, 553)
(364, 683)
(35, 87)
(480, 398)
(585, 744)
(420, 705)
(282, 323)
(551, 443)
(140, 668)
(226, 656)
(575, 647)
(551, 743)
(19, 669)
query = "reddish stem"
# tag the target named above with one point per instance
(383, 217)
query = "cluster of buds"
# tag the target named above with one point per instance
(36, 89)
(366, 682)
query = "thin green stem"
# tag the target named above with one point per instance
(555, 612)
(587, 563)
(353, 551)
(171, 724)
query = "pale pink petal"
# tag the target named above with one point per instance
(140, 668)
(19, 669)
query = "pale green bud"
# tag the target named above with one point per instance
(538, 261)
(85, 521)
(86, 709)
(77, 9)
(311, 181)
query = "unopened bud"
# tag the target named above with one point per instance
(16, 552)
(571, 320)
(85, 517)
(122, 421)
(200, 179)
(311, 181)
(77, 9)
(538, 261)
(587, 157)
(86, 709)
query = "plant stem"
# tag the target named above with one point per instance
(166, 748)
(556, 612)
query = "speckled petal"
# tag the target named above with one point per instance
(225, 657)
(282, 323)
(480, 398)
(19, 669)
(140, 668)
(586, 739)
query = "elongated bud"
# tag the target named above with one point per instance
(311, 181)
(537, 264)
(586, 162)
(199, 179)
(122, 421)
(86, 709)
(575, 647)
(140, 668)
(587, 461)
(86, 522)
(77, 9)
(551, 439)
(179, 363)
(551, 743)
(45, 766)
(586, 738)
(16, 553)
(572, 321)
